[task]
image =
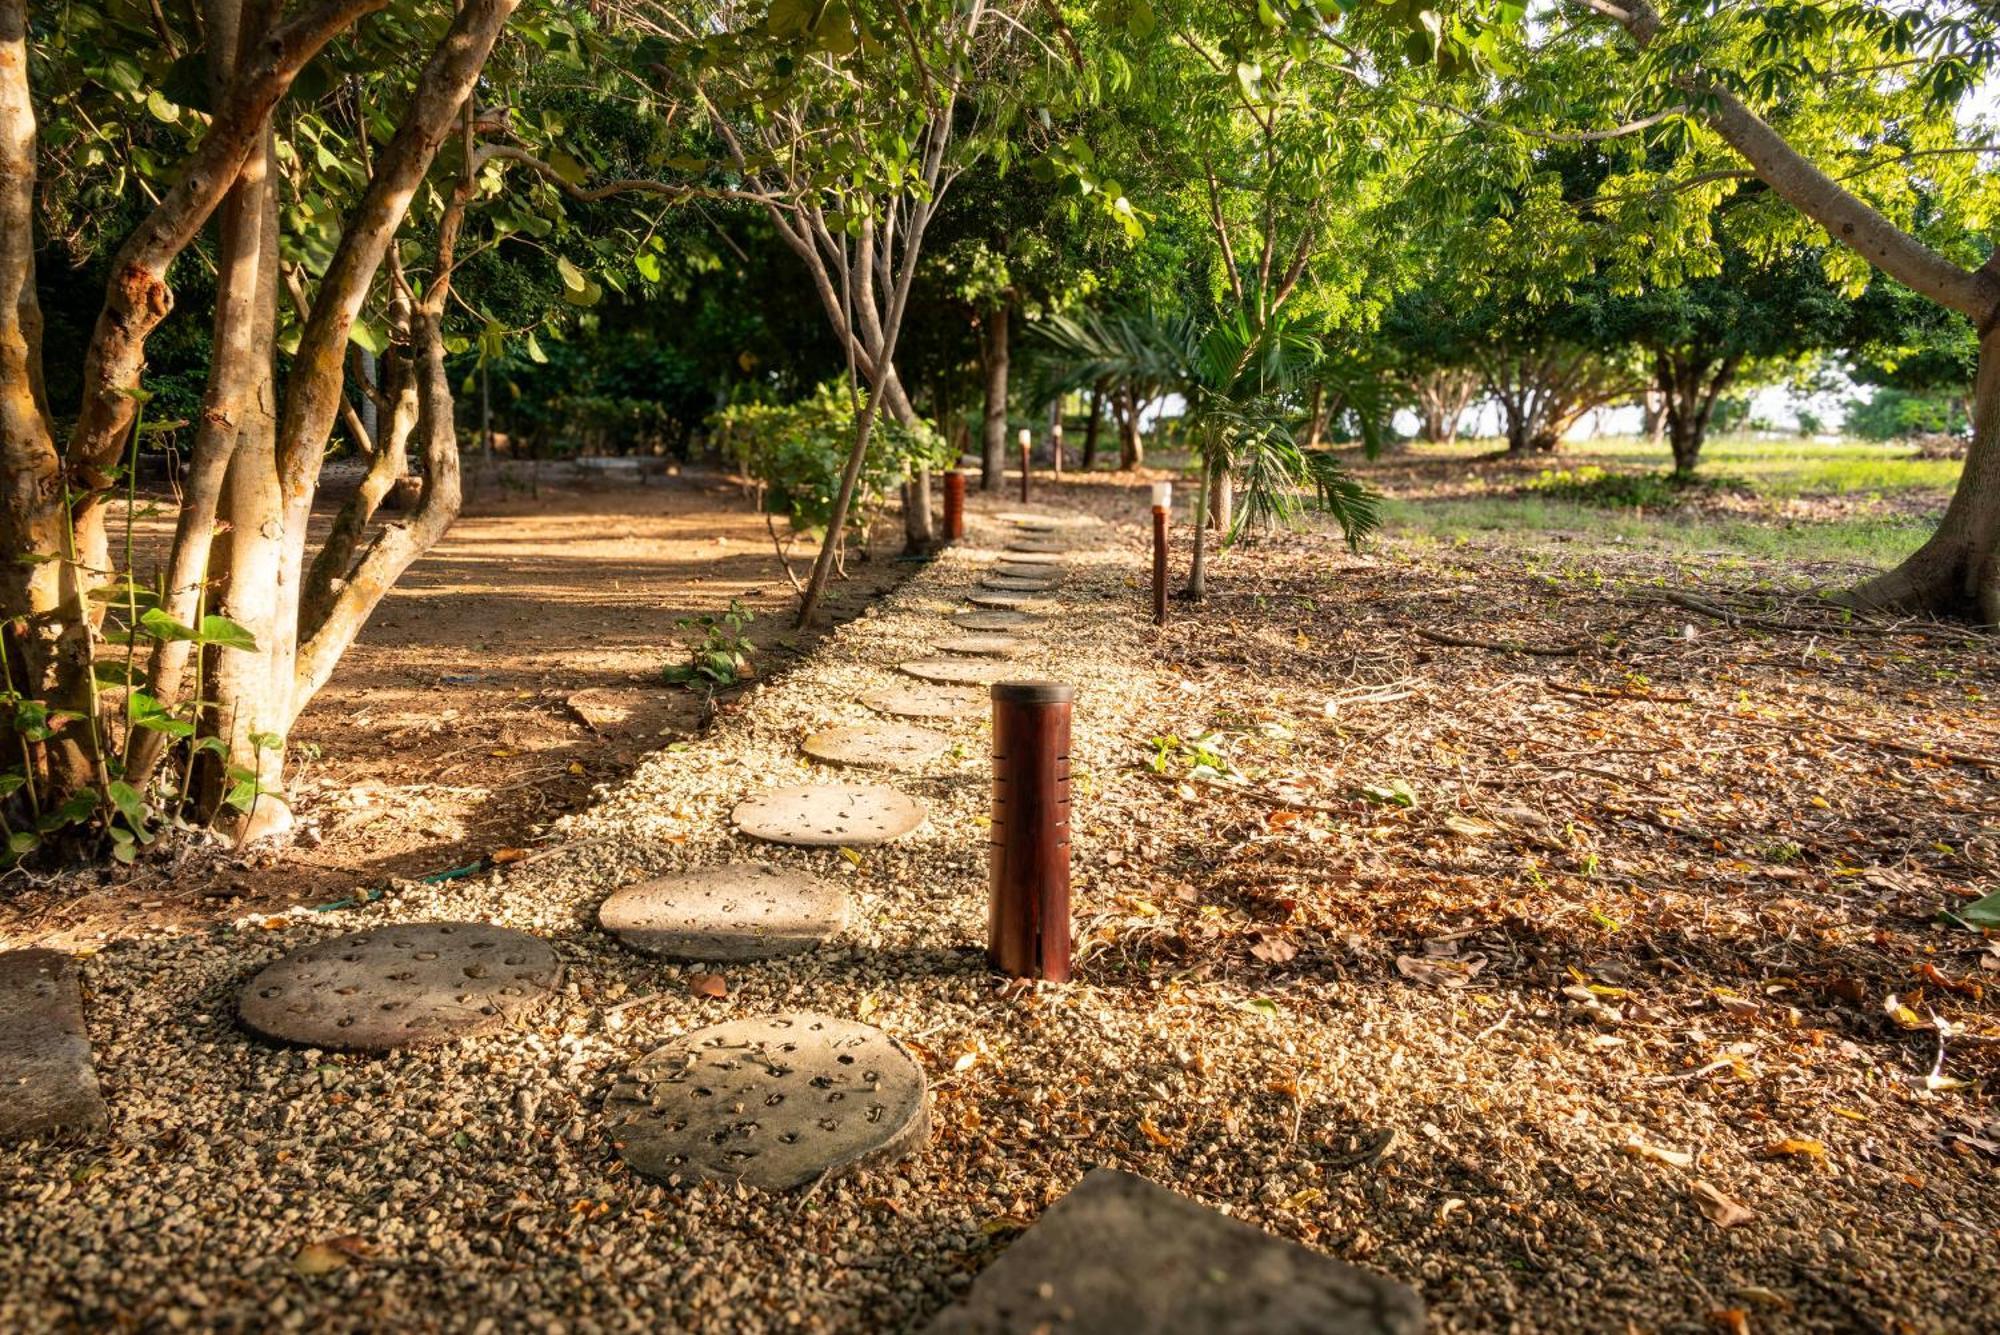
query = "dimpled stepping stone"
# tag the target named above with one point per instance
(958, 671)
(742, 911)
(773, 1102)
(995, 621)
(983, 646)
(877, 745)
(914, 700)
(823, 815)
(48, 1084)
(401, 986)
(1008, 600)
(1014, 584)
(1123, 1256)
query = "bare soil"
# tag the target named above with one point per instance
(514, 671)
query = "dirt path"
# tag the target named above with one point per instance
(513, 670)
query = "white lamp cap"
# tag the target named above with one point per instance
(1163, 495)
(1025, 436)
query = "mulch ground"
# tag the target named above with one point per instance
(1575, 954)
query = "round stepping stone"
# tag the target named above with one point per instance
(400, 986)
(877, 745)
(995, 621)
(913, 700)
(773, 1102)
(1034, 547)
(823, 815)
(1018, 585)
(1007, 600)
(983, 646)
(741, 911)
(1018, 570)
(958, 671)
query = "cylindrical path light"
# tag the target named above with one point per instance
(1027, 451)
(1027, 914)
(954, 505)
(1163, 502)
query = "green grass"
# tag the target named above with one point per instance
(1571, 500)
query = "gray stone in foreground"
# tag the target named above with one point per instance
(984, 646)
(926, 700)
(985, 621)
(739, 911)
(877, 745)
(1121, 1255)
(958, 671)
(1027, 570)
(826, 815)
(404, 985)
(1019, 584)
(1035, 547)
(48, 1085)
(776, 1101)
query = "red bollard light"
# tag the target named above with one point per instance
(1027, 913)
(954, 505)
(1163, 500)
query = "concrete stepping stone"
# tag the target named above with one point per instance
(773, 1102)
(1010, 600)
(877, 745)
(996, 621)
(1019, 570)
(924, 700)
(1121, 1255)
(739, 911)
(403, 985)
(1016, 584)
(826, 815)
(984, 646)
(1035, 547)
(958, 671)
(48, 1083)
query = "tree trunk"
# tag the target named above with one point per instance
(1957, 572)
(1689, 386)
(1131, 445)
(1090, 427)
(1197, 583)
(1222, 501)
(1653, 417)
(993, 431)
(1316, 416)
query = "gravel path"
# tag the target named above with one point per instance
(1474, 1145)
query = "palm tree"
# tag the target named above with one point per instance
(1237, 379)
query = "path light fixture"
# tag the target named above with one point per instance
(954, 505)
(1027, 447)
(1163, 503)
(1027, 911)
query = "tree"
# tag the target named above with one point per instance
(1849, 114)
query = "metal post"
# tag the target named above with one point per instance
(1027, 449)
(954, 505)
(1027, 916)
(1163, 500)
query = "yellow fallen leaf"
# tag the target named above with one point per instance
(1796, 1148)
(1849, 1114)
(1640, 1149)
(316, 1258)
(1154, 1134)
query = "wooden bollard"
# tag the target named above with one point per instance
(1027, 913)
(1163, 500)
(954, 505)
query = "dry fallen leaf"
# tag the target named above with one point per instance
(1440, 972)
(330, 1254)
(1723, 1211)
(708, 985)
(1902, 1016)
(1796, 1148)
(1274, 950)
(502, 856)
(1154, 1134)
(1732, 1320)
(1640, 1149)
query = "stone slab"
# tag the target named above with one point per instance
(826, 815)
(1023, 570)
(877, 745)
(925, 700)
(1017, 584)
(775, 1101)
(990, 621)
(403, 985)
(1035, 547)
(984, 646)
(48, 1083)
(1009, 600)
(958, 671)
(739, 911)
(1121, 1255)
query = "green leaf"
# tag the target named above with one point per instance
(22, 842)
(227, 633)
(130, 805)
(572, 276)
(1983, 912)
(368, 337)
(161, 108)
(160, 626)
